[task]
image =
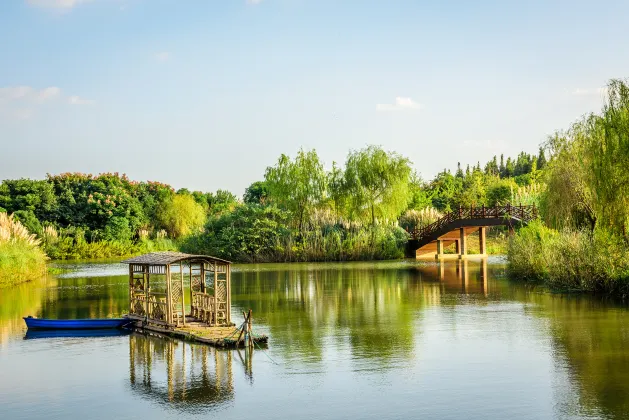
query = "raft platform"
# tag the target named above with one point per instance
(159, 302)
(199, 332)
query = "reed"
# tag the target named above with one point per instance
(571, 260)
(21, 258)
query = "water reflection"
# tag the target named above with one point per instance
(188, 377)
(410, 332)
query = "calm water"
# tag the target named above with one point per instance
(365, 340)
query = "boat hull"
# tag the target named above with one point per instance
(74, 324)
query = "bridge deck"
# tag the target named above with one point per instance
(454, 227)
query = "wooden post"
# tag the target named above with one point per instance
(202, 277)
(439, 248)
(215, 294)
(463, 241)
(147, 290)
(190, 273)
(249, 329)
(482, 242)
(229, 293)
(169, 300)
(131, 284)
(183, 296)
(457, 245)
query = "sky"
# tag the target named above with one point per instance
(206, 94)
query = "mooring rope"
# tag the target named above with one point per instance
(260, 348)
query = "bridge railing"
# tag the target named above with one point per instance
(523, 213)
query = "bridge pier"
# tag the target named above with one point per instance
(482, 241)
(462, 243)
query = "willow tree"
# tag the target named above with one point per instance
(181, 215)
(297, 185)
(377, 183)
(568, 200)
(608, 150)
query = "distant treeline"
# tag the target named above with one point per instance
(299, 211)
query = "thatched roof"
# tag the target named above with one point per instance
(171, 257)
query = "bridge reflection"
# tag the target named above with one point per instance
(458, 275)
(186, 376)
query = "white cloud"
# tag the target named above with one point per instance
(28, 94)
(56, 4)
(77, 100)
(162, 56)
(401, 104)
(20, 102)
(254, 1)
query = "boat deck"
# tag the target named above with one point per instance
(194, 330)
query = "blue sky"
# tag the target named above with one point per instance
(207, 94)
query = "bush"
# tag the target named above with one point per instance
(252, 233)
(570, 260)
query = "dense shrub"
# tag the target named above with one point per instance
(577, 260)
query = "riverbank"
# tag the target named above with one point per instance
(570, 260)
(21, 258)
(20, 263)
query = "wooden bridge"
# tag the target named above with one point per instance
(453, 228)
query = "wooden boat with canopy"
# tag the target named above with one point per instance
(158, 295)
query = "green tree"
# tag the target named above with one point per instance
(181, 216)
(568, 200)
(256, 193)
(377, 183)
(608, 149)
(297, 185)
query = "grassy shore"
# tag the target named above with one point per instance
(570, 260)
(21, 258)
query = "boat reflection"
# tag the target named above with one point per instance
(184, 375)
(111, 332)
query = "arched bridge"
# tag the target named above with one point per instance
(453, 228)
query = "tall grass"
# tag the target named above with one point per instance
(571, 260)
(21, 258)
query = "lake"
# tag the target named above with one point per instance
(376, 340)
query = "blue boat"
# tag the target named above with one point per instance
(74, 324)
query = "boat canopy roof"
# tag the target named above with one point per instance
(171, 257)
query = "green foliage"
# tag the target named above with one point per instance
(256, 193)
(252, 233)
(377, 184)
(576, 260)
(297, 186)
(249, 233)
(29, 220)
(181, 215)
(607, 147)
(19, 263)
(21, 258)
(36, 197)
